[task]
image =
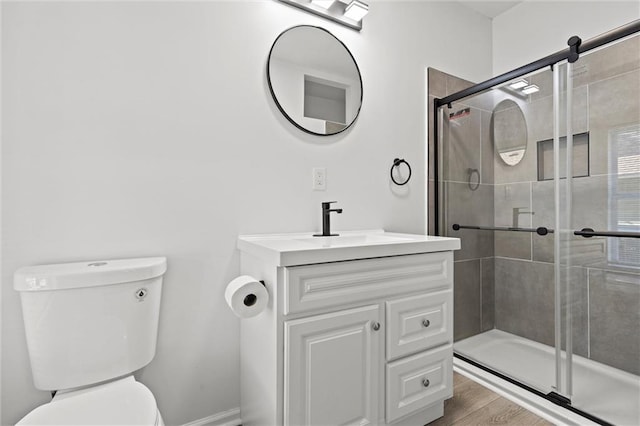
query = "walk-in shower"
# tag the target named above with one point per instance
(538, 172)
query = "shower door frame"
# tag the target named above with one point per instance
(562, 227)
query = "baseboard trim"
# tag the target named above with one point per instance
(224, 418)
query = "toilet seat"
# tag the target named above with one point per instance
(121, 402)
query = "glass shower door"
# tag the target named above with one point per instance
(598, 269)
(547, 283)
(497, 195)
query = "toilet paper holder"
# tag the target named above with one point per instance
(251, 299)
(246, 296)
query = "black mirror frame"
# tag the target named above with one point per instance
(275, 98)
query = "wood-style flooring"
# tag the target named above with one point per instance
(473, 404)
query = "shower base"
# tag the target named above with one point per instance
(605, 392)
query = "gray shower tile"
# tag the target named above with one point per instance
(615, 59)
(462, 144)
(575, 304)
(524, 296)
(470, 207)
(486, 144)
(614, 319)
(544, 81)
(539, 122)
(543, 248)
(485, 101)
(524, 302)
(515, 245)
(579, 112)
(488, 293)
(590, 199)
(613, 103)
(508, 197)
(524, 171)
(456, 84)
(542, 197)
(437, 83)
(539, 115)
(466, 299)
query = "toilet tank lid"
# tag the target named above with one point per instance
(123, 402)
(87, 274)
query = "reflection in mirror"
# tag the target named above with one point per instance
(509, 132)
(314, 80)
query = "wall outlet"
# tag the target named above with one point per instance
(319, 179)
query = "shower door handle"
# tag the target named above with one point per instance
(588, 233)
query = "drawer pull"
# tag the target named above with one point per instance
(425, 383)
(426, 323)
(375, 326)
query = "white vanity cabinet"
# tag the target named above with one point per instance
(356, 341)
(331, 368)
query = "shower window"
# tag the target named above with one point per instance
(624, 198)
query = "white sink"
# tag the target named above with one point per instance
(352, 240)
(304, 248)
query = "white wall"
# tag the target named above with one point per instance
(145, 129)
(535, 29)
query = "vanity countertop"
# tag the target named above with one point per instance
(304, 248)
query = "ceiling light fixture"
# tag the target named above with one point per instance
(356, 10)
(530, 89)
(346, 12)
(519, 84)
(325, 4)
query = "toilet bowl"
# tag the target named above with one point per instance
(89, 326)
(121, 402)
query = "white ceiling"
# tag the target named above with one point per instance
(490, 9)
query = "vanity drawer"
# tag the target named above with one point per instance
(418, 323)
(418, 381)
(328, 285)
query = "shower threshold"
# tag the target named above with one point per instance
(602, 391)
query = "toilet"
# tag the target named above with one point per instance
(89, 326)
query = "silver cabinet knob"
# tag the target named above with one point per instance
(425, 383)
(426, 323)
(375, 326)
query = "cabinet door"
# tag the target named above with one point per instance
(332, 364)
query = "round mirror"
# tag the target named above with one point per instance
(509, 130)
(314, 80)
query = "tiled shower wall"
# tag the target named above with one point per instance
(468, 155)
(505, 279)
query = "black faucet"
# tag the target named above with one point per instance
(326, 222)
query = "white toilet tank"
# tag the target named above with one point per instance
(88, 322)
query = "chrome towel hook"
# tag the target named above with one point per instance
(396, 163)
